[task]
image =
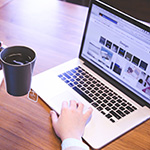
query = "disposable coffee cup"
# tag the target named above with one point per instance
(17, 64)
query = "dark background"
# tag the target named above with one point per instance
(139, 9)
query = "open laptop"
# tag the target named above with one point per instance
(112, 75)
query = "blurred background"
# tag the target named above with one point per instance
(139, 9)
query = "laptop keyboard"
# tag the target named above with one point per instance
(105, 100)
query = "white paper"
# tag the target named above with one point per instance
(1, 76)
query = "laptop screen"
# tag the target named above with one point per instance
(119, 46)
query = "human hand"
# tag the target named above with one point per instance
(72, 120)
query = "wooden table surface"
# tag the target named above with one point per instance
(54, 30)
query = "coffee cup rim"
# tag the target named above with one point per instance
(18, 46)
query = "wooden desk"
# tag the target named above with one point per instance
(54, 30)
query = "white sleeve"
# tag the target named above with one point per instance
(71, 142)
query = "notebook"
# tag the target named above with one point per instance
(111, 74)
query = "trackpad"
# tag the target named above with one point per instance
(56, 101)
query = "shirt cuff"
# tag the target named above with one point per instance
(71, 142)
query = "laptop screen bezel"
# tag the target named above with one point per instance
(97, 70)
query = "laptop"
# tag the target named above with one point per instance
(111, 74)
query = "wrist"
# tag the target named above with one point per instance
(71, 134)
(72, 142)
(70, 137)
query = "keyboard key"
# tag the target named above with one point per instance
(94, 82)
(104, 94)
(70, 84)
(106, 91)
(117, 105)
(98, 85)
(124, 100)
(130, 109)
(112, 101)
(108, 97)
(126, 112)
(83, 89)
(102, 88)
(76, 68)
(134, 107)
(87, 92)
(99, 108)
(95, 104)
(75, 83)
(103, 112)
(114, 108)
(114, 97)
(89, 88)
(102, 84)
(85, 85)
(83, 73)
(80, 71)
(97, 94)
(92, 85)
(123, 104)
(120, 113)
(93, 91)
(88, 82)
(60, 75)
(86, 76)
(81, 77)
(90, 79)
(85, 79)
(72, 80)
(105, 101)
(67, 81)
(109, 104)
(129, 104)
(77, 79)
(110, 94)
(122, 108)
(119, 100)
(91, 95)
(107, 108)
(103, 105)
(96, 88)
(95, 98)
(108, 116)
(99, 102)
(112, 120)
(81, 82)
(115, 115)
(101, 97)
(63, 78)
(82, 94)
(73, 71)
(79, 85)
(74, 76)
(70, 73)
(100, 91)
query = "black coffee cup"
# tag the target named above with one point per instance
(17, 64)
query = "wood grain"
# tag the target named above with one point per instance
(54, 30)
(4, 2)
